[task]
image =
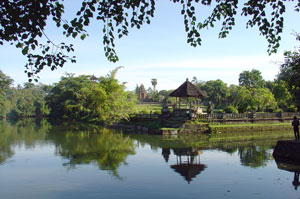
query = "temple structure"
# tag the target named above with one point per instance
(186, 91)
(186, 107)
(142, 93)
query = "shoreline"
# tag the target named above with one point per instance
(204, 128)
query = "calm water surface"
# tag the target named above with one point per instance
(55, 161)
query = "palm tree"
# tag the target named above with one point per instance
(154, 83)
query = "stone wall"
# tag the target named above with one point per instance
(287, 150)
(247, 117)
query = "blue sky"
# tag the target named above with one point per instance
(160, 51)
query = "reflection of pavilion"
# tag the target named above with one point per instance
(187, 162)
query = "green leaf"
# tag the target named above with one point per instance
(74, 34)
(19, 45)
(65, 26)
(83, 36)
(25, 50)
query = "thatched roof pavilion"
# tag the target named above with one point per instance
(187, 90)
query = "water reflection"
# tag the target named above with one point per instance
(296, 182)
(290, 166)
(230, 163)
(254, 153)
(108, 150)
(27, 132)
(104, 149)
(255, 156)
(78, 144)
(187, 162)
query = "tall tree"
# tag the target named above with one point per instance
(232, 94)
(282, 94)
(251, 79)
(216, 91)
(244, 100)
(29, 101)
(5, 81)
(289, 72)
(22, 23)
(5, 103)
(154, 83)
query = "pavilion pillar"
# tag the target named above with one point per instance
(187, 103)
(179, 103)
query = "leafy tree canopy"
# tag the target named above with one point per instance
(23, 22)
(289, 72)
(83, 99)
(255, 99)
(216, 91)
(251, 79)
(5, 81)
(282, 94)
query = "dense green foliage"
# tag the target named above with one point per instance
(289, 73)
(250, 96)
(5, 83)
(216, 91)
(230, 109)
(251, 79)
(83, 99)
(23, 24)
(253, 94)
(20, 102)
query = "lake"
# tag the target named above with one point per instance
(40, 160)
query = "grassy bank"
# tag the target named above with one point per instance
(147, 108)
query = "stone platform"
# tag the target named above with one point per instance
(287, 151)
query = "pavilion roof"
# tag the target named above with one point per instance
(94, 78)
(188, 171)
(187, 89)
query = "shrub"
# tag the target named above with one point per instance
(230, 109)
(219, 111)
(291, 108)
(278, 110)
(157, 112)
(145, 111)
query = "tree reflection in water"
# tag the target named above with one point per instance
(102, 147)
(108, 150)
(254, 156)
(27, 132)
